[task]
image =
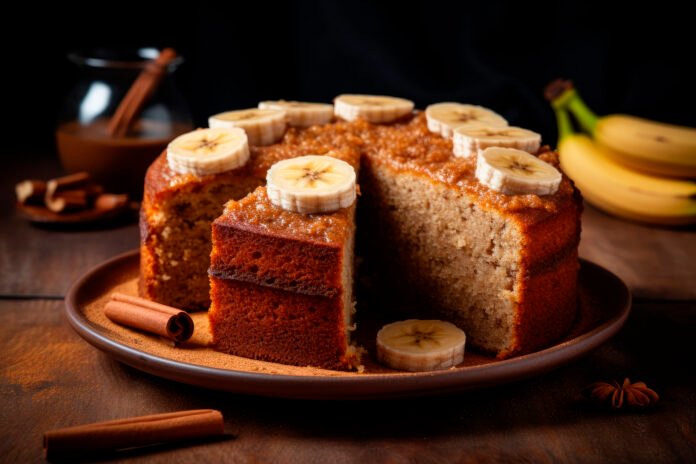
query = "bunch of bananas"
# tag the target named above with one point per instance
(630, 167)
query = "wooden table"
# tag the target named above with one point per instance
(51, 378)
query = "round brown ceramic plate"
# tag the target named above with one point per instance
(604, 303)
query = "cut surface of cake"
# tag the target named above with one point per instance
(502, 267)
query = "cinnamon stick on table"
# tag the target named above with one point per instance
(149, 316)
(74, 442)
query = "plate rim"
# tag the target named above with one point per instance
(88, 216)
(409, 385)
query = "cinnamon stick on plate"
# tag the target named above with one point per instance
(149, 316)
(69, 182)
(31, 191)
(67, 193)
(67, 200)
(75, 442)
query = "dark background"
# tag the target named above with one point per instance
(628, 59)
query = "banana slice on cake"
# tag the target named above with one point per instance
(208, 151)
(420, 345)
(311, 184)
(511, 171)
(372, 108)
(301, 114)
(469, 140)
(263, 127)
(443, 118)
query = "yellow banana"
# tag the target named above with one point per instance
(649, 146)
(619, 190)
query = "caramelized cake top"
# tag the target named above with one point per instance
(257, 212)
(409, 146)
(406, 145)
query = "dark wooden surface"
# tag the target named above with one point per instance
(50, 378)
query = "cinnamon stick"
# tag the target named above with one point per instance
(69, 182)
(30, 191)
(67, 200)
(75, 442)
(149, 316)
(141, 90)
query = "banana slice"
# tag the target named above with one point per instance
(469, 140)
(301, 114)
(444, 117)
(263, 127)
(513, 172)
(420, 345)
(372, 108)
(208, 151)
(311, 184)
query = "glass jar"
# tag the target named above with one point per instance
(104, 78)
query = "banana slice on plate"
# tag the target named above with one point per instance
(420, 345)
(311, 184)
(263, 127)
(443, 118)
(469, 140)
(512, 172)
(372, 108)
(301, 114)
(208, 151)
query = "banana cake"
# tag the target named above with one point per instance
(482, 236)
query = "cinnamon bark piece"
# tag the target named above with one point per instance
(30, 191)
(67, 200)
(69, 182)
(85, 440)
(149, 316)
(67, 193)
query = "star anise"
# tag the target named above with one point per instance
(635, 395)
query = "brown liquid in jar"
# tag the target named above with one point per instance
(119, 164)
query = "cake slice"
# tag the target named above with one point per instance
(179, 208)
(282, 282)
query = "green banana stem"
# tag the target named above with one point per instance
(565, 127)
(585, 116)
